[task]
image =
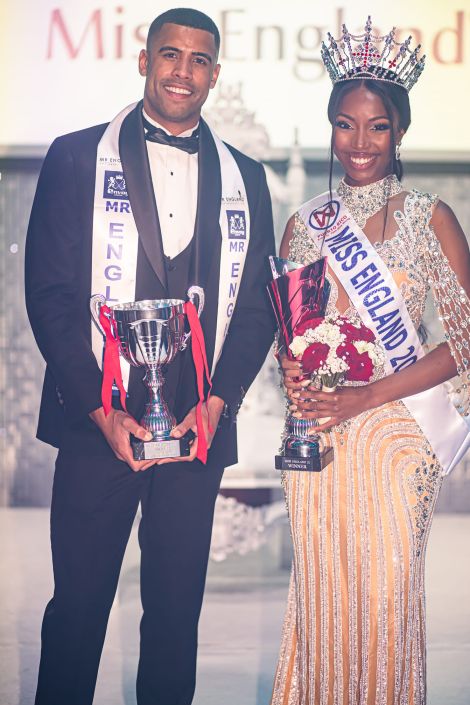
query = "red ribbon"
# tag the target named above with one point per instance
(111, 362)
(198, 349)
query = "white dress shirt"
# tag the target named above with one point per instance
(175, 179)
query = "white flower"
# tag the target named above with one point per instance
(374, 351)
(328, 333)
(298, 346)
(377, 356)
(335, 364)
(363, 346)
(309, 335)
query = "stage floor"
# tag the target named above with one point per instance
(240, 624)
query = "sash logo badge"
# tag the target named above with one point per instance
(324, 216)
(114, 185)
(236, 225)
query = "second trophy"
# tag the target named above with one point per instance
(298, 292)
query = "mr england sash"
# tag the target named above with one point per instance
(115, 236)
(235, 229)
(378, 300)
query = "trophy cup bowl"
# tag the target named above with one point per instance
(150, 335)
(297, 291)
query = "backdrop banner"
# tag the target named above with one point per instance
(75, 64)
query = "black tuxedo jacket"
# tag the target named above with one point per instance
(58, 283)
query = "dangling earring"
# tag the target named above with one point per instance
(397, 152)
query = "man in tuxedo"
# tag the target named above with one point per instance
(167, 189)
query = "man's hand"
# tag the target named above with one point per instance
(116, 428)
(211, 412)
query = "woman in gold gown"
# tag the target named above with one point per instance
(354, 631)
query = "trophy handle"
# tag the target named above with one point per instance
(193, 292)
(96, 302)
(198, 291)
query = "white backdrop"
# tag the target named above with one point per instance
(68, 64)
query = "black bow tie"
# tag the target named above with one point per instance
(187, 144)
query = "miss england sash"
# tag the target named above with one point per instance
(115, 236)
(378, 300)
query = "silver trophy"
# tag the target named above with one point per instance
(150, 334)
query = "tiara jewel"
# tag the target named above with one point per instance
(369, 56)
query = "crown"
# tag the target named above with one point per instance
(368, 56)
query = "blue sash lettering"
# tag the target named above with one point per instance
(118, 206)
(109, 297)
(381, 321)
(113, 272)
(363, 274)
(402, 361)
(369, 284)
(115, 229)
(373, 297)
(232, 287)
(346, 248)
(114, 251)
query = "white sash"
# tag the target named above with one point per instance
(235, 229)
(115, 236)
(378, 300)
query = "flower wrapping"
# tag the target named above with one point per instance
(298, 294)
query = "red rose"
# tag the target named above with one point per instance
(347, 351)
(306, 321)
(353, 333)
(360, 364)
(314, 356)
(361, 370)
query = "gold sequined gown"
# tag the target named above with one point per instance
(354, 630)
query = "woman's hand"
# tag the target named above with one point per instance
(306, 402)
(292, 374)
(342, 404)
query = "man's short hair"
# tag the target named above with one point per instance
(186, 17)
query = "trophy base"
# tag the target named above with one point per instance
(152, 450)
(313, 463)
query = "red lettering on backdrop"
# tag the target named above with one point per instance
(140, 33)
(457, 31)
(57, 27)
(119, 37)
(447, 44)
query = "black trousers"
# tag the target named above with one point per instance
(94, 504)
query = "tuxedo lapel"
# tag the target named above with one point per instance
(135, 165)
(206, 228)
(205, 265)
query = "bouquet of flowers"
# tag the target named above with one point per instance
(334, 350)
(331, 349)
